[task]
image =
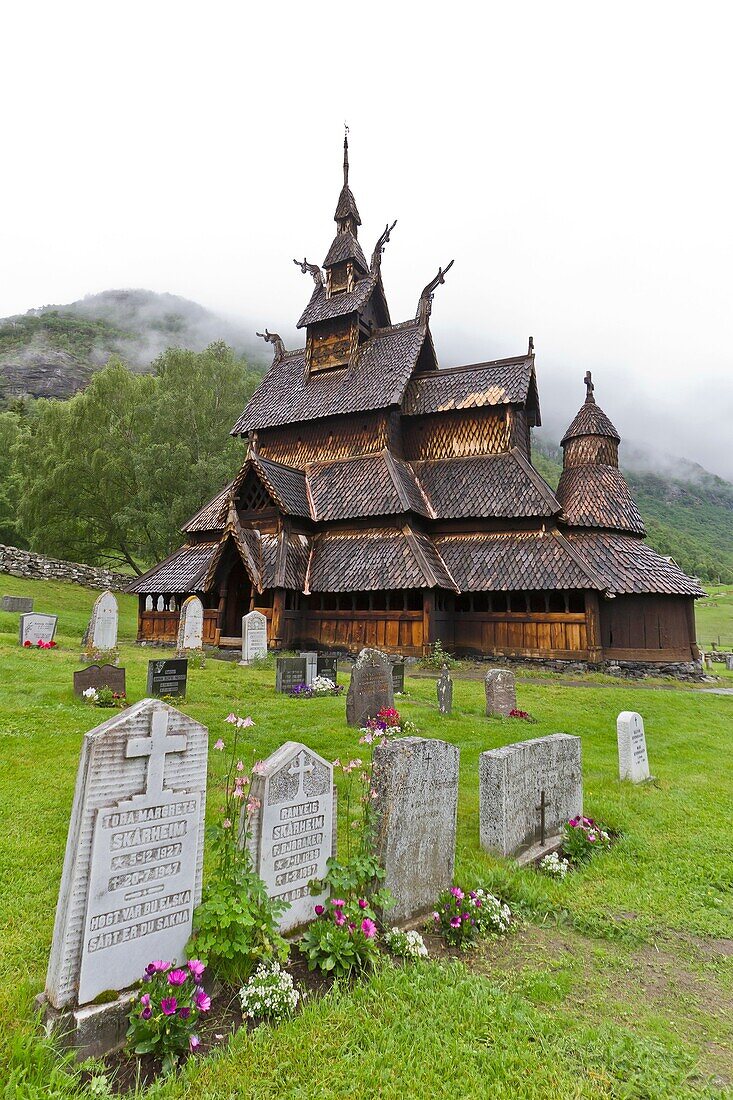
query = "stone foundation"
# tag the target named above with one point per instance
(36, 567)
(627, 670)
(91, 1030)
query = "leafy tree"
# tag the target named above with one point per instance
(12, 427)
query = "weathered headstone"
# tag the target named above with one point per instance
(293, 830)
(370, 687)
(17, 603)
(134, 854)
(416, 804)
(729, 663)
(328, 667)
(527, 788)
(167, 677)
(254, 636)
(160, 605)
(148, 603)
(191, 624)
(501, 692)
(100, 676)
(35, 628)
(445, 692)
(311, 665)
(290, 671)
(398, 676)
(633, 762)
(101, 633)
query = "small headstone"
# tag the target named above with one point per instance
(134, 854)
(445, 692)
(148, 603)
(36, 628)
(328, 667)
(416, 784)
(512, 780)
(17, 603)
(160, 606)
(290, 671)
(167, 677)
(311, 665)
(191, 625)
(254, 636)
(729, 663)
(633, 762)
(292, 832)
(398, 676)
(172, 603)
(708, 662)
(501, 692)
(370, 687)
(101, 634)
(100, 676)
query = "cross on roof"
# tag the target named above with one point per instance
(300, 768)
(156, 747)
(589, 387)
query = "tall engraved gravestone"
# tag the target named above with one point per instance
(101, 633)
(292, 834)
(370, 687)
(633, 762)
(191, 625)
(445, 692)
(416, 784)
(398, 675)
(310, 656)
(254, 637)
(132, 870)
(527, 791)
(289, 672)
(501, 692)
(35, 628)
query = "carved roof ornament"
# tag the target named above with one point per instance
(589, 398)
(380, 247)
(425, 304)
(530, 346)
(313, 270)
(276, 341)
(346, 207)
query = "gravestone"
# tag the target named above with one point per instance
(501, 692)
(370, 687)
(416, 786)
(160, 605)
(528, 788)
(36, 628)
(729, 663)
(633, 762)
(191, 624)
(328, 667)
(311, 665)
(148, 603)
(101, 633)
(17, 603)
(167, 677)
(290, 671)
(134, 858)
(292, 833)
(445, 692)
(398, 676)
(254, 636)
(100, 676)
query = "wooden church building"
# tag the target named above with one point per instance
(386, 501)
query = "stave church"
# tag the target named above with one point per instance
(386, 501)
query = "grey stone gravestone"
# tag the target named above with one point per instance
(328, 667)
(134, 854)
(445, 692)
(501, 692)
(512, 780)
(290, 671)
(254, 636)
(416, 785)
(311, 665)
(36, 628)
(167, 677)
(100, 676)
(370, 687)
(292, 834)
(148, 603)
(160, 605)
(729, 663)
(398, 676)
(191, 625)
(633, 762)
(101, 633)
(17, 603)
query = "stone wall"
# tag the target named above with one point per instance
(22, 563)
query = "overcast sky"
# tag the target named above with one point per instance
(573, 158)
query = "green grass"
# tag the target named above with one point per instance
(519, 1020)
(714, 618)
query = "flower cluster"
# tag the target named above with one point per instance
(269, 994)
(165, 1014)
(320, 687)
(408, 945)
(104, 697)
(343, 939)
(524, 715)
(40, 644)
(554, 866)
(582, 837)
(493, 917)
(463, 917)
(388, 723)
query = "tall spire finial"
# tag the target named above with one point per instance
(589, 398)
(346, 155)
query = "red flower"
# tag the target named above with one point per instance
(26, 644)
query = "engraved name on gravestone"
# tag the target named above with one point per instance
(100, 676)
(328, 667)
(501, 692)
(511, 782)
(292, 832)
(134, 854)
(633, 762)
(101, 633)
(17, 603)
(191, 624)
(290, 671)
(254, 636)
(445, 692)
(36, 628)
(370, 687)
(416, 785)
(167, 677)
(311, 665)
(398, 675)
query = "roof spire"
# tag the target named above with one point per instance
(346, 155)
(589, 398)
(347, 214)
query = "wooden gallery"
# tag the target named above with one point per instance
(386, 501)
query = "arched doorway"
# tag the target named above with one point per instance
(238, 586)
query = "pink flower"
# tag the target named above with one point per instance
(336, 763)
(219, 745)
(193, 1043)
(258, 768)
(253, 804)
(169, 1006)
(369, 928)
(197, 969)
(146, 1013)
(352, 926)
(237, 793)
(226, 823)
(319, 910)
(338, 903)
(184, 1012)
(366, 739)
(145, 1000)
(202, 1000)
(232, 718)
(156, 966)
(363, 903)
(436, 916)
(177, 977)
(455, 922)
(244, 723)
(457, 892)
(339, 918)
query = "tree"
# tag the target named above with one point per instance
(12, 427)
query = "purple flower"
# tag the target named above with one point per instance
(193, 1043)
(202, 1000)
(197, 968)
(455, 922)
(338, 903)
(184, 1012)
(436, 916)
(363, 903)
(339, 918)
(146, 1013)
(145, 1000)
(369, 928)
(169, 1006)
(319, 910)
(157, 966)
(177, 977)
(457, 892)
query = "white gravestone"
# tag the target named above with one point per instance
(134, 854)
(160, 606)
(254, 636)
(35, 628)
(292, 832)
(102, 630)
(191, 625)
(633, 762)
(148, 603)
(512, 781)
(311, 665)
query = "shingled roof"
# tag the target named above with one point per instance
(598, 496)
(321, 308)
(501, 562)
(591, 421)
(500, 382)
(629, 566)
(213, 516)
(499, 485)
(345, 247)
(183, 571)
(285, 484)
(381, 557)
(369, 485)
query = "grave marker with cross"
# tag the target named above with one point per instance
(156, 747)
(301, 769)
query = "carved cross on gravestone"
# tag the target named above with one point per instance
(156, 747)
(542, 808)
(301, 769)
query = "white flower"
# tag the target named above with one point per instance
(91, 693)
(554, 866)
(409, 945)
(269, 993)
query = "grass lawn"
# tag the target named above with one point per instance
(714, 617)
(617, 983)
